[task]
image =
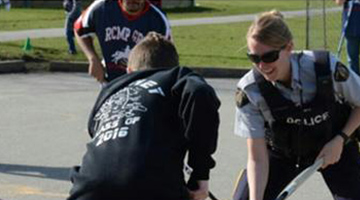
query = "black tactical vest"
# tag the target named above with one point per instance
(302, 130)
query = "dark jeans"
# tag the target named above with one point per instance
(71, 17)
(342, 178)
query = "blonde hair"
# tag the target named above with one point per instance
(154, 51)
(270, 29)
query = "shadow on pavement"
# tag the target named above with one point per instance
(58, 173)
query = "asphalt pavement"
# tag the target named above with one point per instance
(43, 133)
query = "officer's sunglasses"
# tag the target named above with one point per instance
(268, 57)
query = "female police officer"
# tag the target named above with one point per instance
(289, 108)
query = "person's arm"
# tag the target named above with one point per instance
(331, 152)
(249, 124)
(162, 25)
(198, 109)
(346, 86)
(202, 192)
(353, 122)
(257, 167)
(95, 67)
(84, 28)
(73, 2)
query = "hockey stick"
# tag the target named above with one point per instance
(241, 189)
(341, 41)
(299, 179)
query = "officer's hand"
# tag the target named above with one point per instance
(96, 70)
(331, 152)
(202, 192)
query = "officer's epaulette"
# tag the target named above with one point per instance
(341, 73)
(241, 98)
(247, 80)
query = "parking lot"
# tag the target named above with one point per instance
(43, 133)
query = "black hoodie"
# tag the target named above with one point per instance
(141, 126)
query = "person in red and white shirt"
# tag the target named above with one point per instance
(119, 26)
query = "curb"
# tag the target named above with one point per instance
(214, 72)
(12, 66)
(20, 66)
(60, 66)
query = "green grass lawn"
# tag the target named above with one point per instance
(221, 45)
(208, 8)
(27, 18)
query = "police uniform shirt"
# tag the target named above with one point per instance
(118, 32)
(252, 110)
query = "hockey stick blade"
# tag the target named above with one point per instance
(299, 179)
